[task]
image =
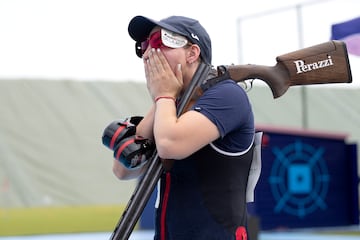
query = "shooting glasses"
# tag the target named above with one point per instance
(161, 38)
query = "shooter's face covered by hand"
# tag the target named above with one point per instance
(169, 62)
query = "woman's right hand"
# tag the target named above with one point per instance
(161, 79)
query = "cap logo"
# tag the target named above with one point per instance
(173, 40)
(195, 36)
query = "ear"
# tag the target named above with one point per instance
(193, 53)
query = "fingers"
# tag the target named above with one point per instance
(152, 64)
(158, 62)
(157, 66)
(161, 78)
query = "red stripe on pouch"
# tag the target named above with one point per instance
(123, 146)
(116, 134)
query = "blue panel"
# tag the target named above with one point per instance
(306, 182)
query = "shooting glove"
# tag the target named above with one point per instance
(131, 150)
(134, 151)
(118, 130)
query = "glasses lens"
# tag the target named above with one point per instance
(144, 45)
(154, 41)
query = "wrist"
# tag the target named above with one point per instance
(164, 97)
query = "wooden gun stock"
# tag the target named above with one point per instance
(324, 63)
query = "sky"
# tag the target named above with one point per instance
(88, 39)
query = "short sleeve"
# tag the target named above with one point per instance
(226, 105)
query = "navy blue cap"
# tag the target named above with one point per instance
(140, 28)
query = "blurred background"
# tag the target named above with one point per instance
(68, 69)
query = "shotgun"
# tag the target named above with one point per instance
(323, 63)
(320, 64)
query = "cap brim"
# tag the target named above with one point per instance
(140, 27)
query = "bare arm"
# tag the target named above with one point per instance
(145, 127)
(177, 138)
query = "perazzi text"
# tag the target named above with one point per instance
(301, 67)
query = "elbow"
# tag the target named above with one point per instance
(168, 150)
(121, 172)
(164, 154)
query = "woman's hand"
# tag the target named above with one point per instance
(161, 79)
